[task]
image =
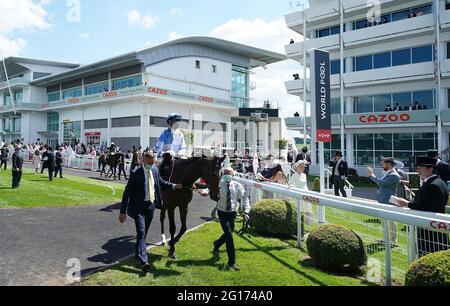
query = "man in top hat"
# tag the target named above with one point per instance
(431, 197)
(339, 173)
(442, 168)
(17, 165)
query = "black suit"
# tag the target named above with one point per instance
(431, 197)
(4, 157)
(58, 164)
(443, 170)
(337, 181)
(134, 203)
(50, 162)
(17, 165)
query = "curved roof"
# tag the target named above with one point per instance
(258, 57)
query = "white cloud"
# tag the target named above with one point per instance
(175, 35)
(176, 12)
(20, 15)
(273, 36)
(136, 18)
(85, 35)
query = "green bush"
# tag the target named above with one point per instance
(336, 248)
(274, 217)
(316, 185)
(430, 270)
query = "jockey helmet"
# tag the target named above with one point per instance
(174, 118)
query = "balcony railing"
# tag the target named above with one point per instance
(20, 107)
(143, 90)
(14, 82)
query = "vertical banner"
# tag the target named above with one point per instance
(320, 95)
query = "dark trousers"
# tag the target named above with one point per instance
(339, 186)
(122, 170)
(4, 163)
(227, 221)
(50, 173)
(142, 222)
(58, 168)
(16, 177)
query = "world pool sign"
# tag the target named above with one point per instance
(136, 91)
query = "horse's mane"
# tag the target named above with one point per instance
(186, 162)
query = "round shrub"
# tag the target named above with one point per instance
(274, 217)
(430, 270)
(334, 247)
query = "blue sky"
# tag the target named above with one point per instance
(104, 31)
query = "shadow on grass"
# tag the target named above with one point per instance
(373, 221)
(210, 262)
(375, 247)
(268, 250)
(111, 208)
(308, 263)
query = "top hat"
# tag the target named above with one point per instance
(425, 161)
(432, 153)
(338, 153)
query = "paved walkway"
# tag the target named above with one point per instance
(35, 244)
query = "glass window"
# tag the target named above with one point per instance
(323, 32)
(400, 15)
(197, 64)
(364, 158)
(72, 93)
(18, 95)
(7, 99)
(335, 106)
(402, 98)
(401, 57)
(363, 63)
(380, 102)
(422, 54)
(53, 122)
(214, 68)
(403, 142)
(127, 82)
(424, 141)
(364, 142)
(383, 142)
(335, 30)
(382, 60)
(17, 124)
(361, 24)
(425, 98)
(97, 88)
(53, 97)
(239, 85)
(403, 156)
(364, 104)
(423, 10)
(335, 67)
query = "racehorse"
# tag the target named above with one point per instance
(112, 160)
(187, 172)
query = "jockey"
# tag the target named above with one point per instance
(171, 144)
(112, 148)
(172, 138)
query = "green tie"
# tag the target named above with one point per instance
(151, 187)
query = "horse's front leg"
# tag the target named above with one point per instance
(162, 218)
(172, 226)
(183, 218)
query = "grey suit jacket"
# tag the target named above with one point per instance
(387, 186)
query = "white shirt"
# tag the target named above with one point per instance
(299, 181)
(146, 172)
(237, 192)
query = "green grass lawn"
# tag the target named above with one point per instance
(264, 262)
(38, 191)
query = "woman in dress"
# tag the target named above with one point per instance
(37, 161)
(299, 180)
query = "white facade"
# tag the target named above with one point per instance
(126, 99)
(387, 53)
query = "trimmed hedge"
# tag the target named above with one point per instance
(274, 217)
(430, 270)
(334, 247)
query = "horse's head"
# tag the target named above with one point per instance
(212, 177)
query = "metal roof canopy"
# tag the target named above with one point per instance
(258, 57)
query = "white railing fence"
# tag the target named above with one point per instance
(409, 233)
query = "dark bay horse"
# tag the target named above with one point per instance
(112, 160)
(187, 172)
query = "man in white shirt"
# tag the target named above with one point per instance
(230, 194)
